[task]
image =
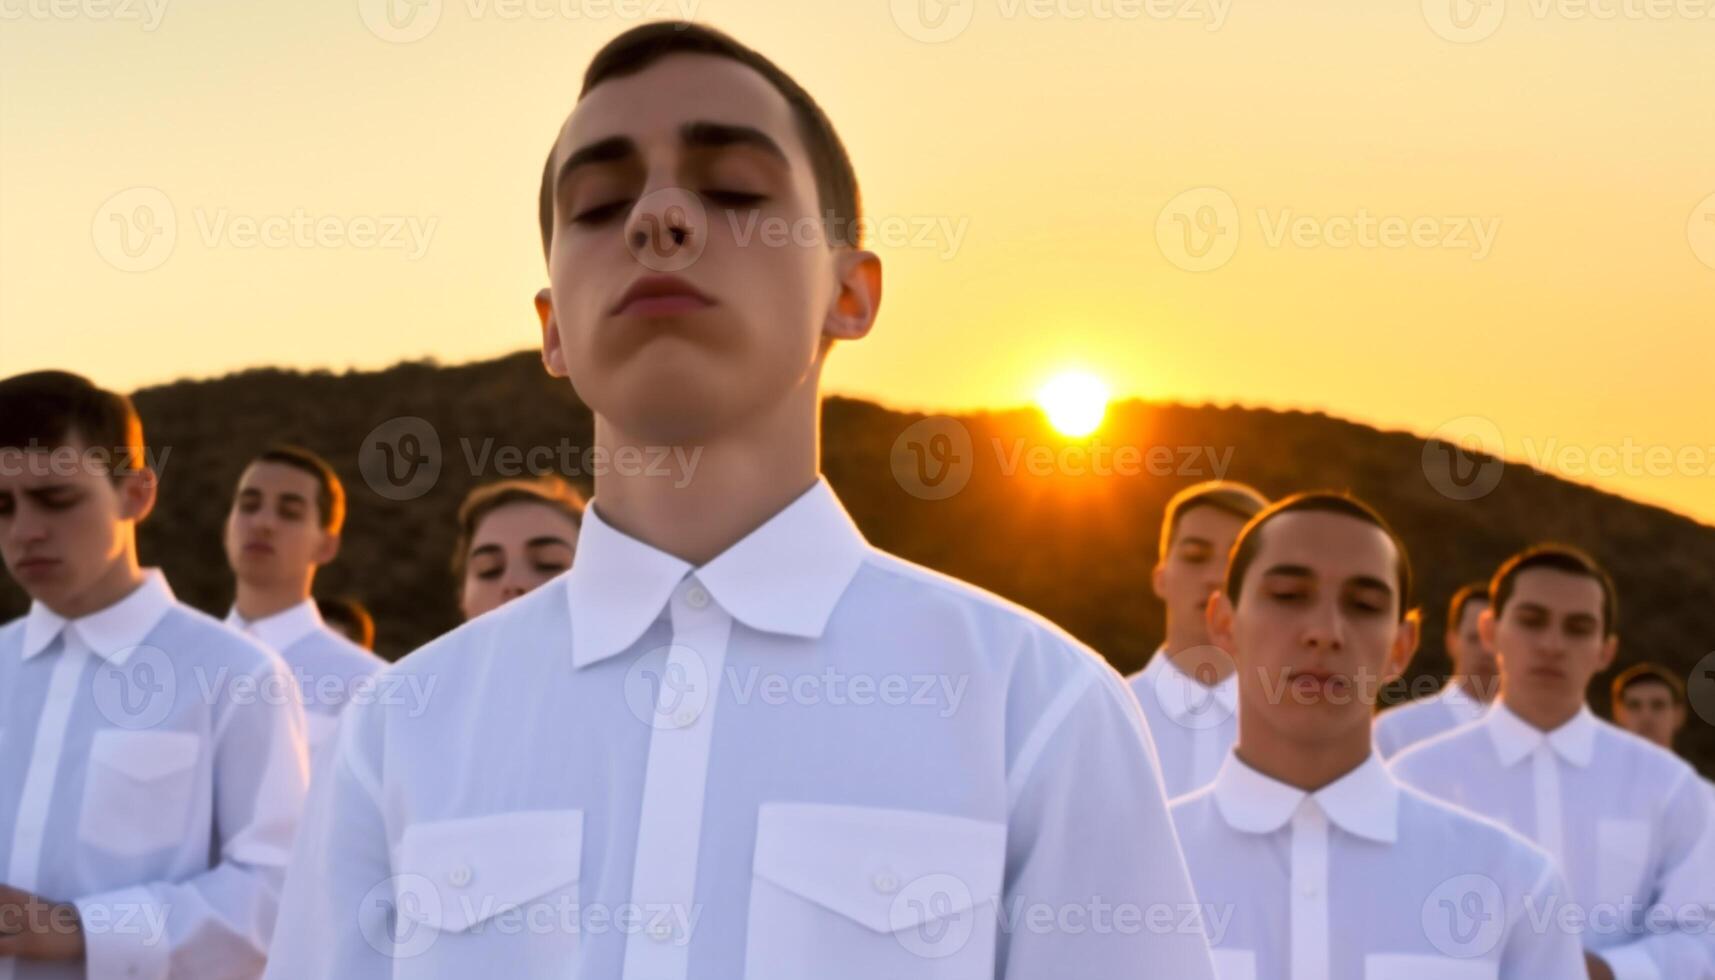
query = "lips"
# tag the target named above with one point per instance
(258, 548)
(1318, 683)
(35, 567)
(660, 295)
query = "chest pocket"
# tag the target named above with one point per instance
(138, 790)
(491, 896)
(857, 893)
(1410, 966)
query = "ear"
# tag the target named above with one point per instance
(1405, 644)
(1156, 577)
(329, 548)
(137, 492)
(1220, 616)
(1610, 646)
(859, 296)
(553, 355)
(1486, 629)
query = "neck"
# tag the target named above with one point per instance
(1305, 765)
(120, 580)
(1198, 659)
(720, 488)
(256, 602)
(1545, 717)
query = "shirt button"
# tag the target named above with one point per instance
(685, 718)
(886, 882)
(660, 931)
(697, 597)
(459, 876)
(1309, 891)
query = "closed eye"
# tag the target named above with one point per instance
(602, 213)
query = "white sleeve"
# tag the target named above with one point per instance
(1680, 944)
(337, 915)
(1090, 840)
(224, 915)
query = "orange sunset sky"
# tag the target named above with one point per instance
(1405, 213)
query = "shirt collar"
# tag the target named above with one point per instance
(784, 577)
(1463, 705)
(283, 629)
(111, 632)
(1174, 689)
(1364, 802)
(1515, 738)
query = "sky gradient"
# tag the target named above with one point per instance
(1419, 215)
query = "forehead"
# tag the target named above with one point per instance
(651, 105)
(523, 520)
(1334, 547)
(1560, 591)
(69, 463)
(1647, 689)
(1473, 609)
(269, 476)
(1208, 522)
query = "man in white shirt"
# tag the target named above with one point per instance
(149, 785)
(733, 739)
(1629, 823)
(1468, 692)
(1328, 868)
(284, 524)
(1188, 689)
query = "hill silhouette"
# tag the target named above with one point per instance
(1066, 528)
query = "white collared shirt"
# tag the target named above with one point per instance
(1630, 823)
(1192, 724)
(804, 759)
(331, 670)
(1365, 880)
(1399, 728)
(152, 771)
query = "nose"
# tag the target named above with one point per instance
(667, 229)
(1323, 629)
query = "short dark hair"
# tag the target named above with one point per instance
(343, 611)
(1559, 558)
(330, 493)
(51, 409)
(1649, 673)
(549, 491)
(643, 46)
(1249, 542)
(1468, 593)
(1238, 499)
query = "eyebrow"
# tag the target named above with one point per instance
(547, 539)
(294, 498)
(699, 134)
(1205, 542)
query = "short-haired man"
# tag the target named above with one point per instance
(697, 734)
(284, 524)
(1630, 824)
(148, 794)
(1467, 693)
(1188, 690)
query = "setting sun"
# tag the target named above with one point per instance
(1074, 401)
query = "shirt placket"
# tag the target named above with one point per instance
(663, 882)
(1309, 901)
(1545, 776)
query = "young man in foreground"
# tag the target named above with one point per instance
(149, 789)
(1630, 824)
(1330, 869)
(1468, 692)
(733, 740)
(1188, 689)
(285, 523)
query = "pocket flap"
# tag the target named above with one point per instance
(462, 872)
(885, 869)
(145, 756)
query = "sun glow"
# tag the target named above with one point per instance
(1074, 401)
